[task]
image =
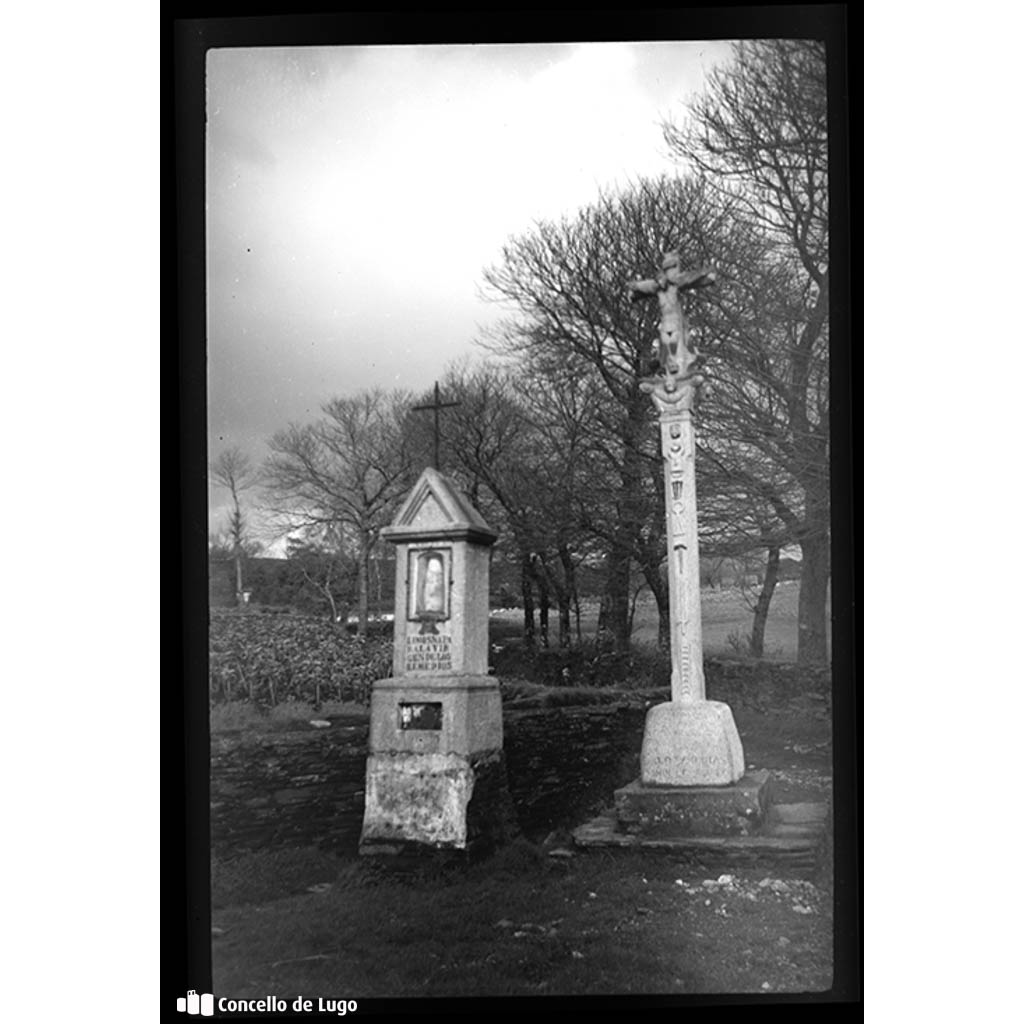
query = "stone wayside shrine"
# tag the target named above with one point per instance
(693, 792)
(435, 775)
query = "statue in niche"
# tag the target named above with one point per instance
(430, 591)
(433, 585)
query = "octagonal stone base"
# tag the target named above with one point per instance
(691, 745)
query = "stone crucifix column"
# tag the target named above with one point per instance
(689, 741)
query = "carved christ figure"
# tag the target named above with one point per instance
(674, 352)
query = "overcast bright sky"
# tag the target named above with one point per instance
(355, 195)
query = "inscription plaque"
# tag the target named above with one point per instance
(420, 716)
(431, 652)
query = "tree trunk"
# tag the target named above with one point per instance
(658, 582)
(632, 513)
(330, 601)
(564, 620)
(529, 629)
(566, 596)
(764, 600)
(363, 578)
(239, 599)
(545, 608)
(554, 587)
(812, 637)
(613, 618)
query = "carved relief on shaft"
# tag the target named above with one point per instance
(675, 454)
(683, 568)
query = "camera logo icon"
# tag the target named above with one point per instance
(198, 1006)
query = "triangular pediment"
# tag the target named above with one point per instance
(434, 504)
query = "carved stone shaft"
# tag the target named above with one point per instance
(677, 449)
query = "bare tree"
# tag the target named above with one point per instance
(343, 476)
(762, 438)
(233, 469)
(758, 138)
(521, 452)
(575, 323)
(326, 571)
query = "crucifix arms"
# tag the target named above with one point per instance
(671, 279)
(675, 356)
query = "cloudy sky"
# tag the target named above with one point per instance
(355, 195)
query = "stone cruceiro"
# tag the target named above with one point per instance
(689, 741)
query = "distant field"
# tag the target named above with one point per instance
(723, 613)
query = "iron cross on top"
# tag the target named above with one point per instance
(674, 351)
(437, 406)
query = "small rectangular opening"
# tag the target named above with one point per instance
(420, 716)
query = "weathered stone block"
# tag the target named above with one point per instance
(691, 744)
(799, 814)
(443, 801)
(416, 798)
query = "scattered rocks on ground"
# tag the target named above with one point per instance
(804, 897)
(528, 928)
(808, 748)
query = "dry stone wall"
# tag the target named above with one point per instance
(306, 788)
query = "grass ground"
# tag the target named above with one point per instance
(521, 925)
(291, 922)
(725, 615)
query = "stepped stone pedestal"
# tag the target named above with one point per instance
(789, 836)
(665, 811)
